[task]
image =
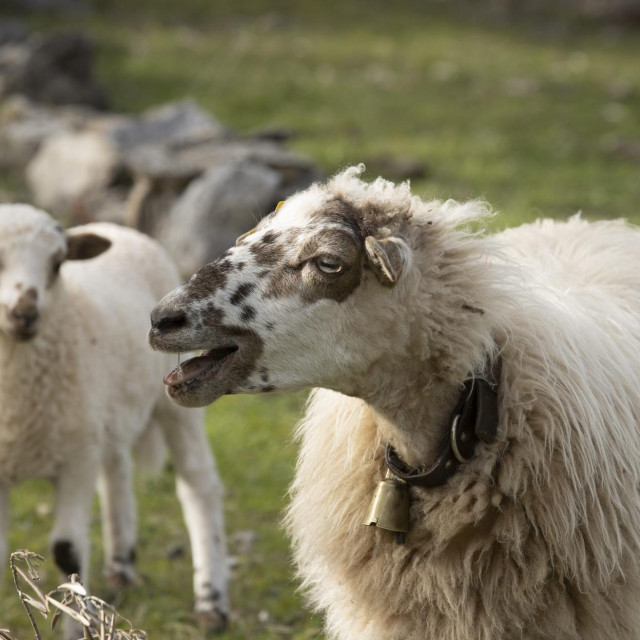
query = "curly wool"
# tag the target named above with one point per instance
(539, 535)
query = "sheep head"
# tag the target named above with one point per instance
(308, 298)
(33, 248)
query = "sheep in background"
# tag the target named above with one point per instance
(524, 509)
(79, 389)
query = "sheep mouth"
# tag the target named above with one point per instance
(193, 371)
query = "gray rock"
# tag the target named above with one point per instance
(171, 125)
(51, 69)
(225, 202)
(12, 31)
(168, 161)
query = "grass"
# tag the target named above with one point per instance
(251, 437)
(534, 117)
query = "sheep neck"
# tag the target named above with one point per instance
(413, 417)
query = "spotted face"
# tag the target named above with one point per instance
(294, 304)
(33, 248)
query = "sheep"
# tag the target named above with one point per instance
(403, 318)
(79, 391)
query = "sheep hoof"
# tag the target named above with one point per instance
(120, 579)
(212, 622)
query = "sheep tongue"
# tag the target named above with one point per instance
(188, 370)
(193, 367)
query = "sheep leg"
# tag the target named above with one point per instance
(70, 536)
(119, 522)
(200, 493)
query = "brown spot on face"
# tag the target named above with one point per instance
(242, 292)
(212, 316)
(207, 281)
(267, 254)
(27, 301)
(284, 282)
(240, 266)
(225, 266)
(248, 313)
(270, 237)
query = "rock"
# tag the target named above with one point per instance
(162, 162)
(174, 125)
(225, 202)
(12, 31)
(51, 69)
(68, 167)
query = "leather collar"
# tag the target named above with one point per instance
(474, 418)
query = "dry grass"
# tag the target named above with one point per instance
(97, 619)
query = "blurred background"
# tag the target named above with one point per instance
(190, 119)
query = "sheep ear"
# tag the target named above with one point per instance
(82, 246)
(386, 259)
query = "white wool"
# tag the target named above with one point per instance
(86, 389)
(539, 535)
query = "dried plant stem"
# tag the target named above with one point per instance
(99, 620)
(26, 556)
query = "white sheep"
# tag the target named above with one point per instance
(79, 389)
(524, 506)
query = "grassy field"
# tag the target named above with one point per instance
(541, 117)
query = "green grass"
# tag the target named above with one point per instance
(251, 437)
(523, 115)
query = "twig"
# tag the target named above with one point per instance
(99, 620)
(25, 556)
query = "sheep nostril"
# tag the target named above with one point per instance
(24, 317)
(168, 320)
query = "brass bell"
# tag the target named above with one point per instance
(390, 506)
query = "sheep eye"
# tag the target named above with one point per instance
(329, 265)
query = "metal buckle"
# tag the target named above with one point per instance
(454, 443)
